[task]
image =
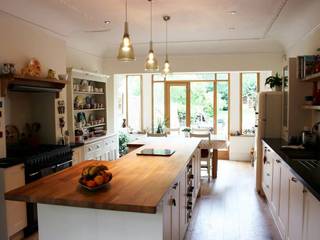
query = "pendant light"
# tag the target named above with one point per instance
(166, 66)
(126, 52)
(151, 63)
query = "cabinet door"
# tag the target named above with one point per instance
(16, 211)
(175, 212)
(276, 175)
(183, 205)
(267, 172)
(284, 201)
(167, 226)
(295, 209)
(312, 217)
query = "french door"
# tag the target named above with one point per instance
(177, 104)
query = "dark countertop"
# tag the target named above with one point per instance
(307, 174)
(10, 162)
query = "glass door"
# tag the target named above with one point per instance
(178, 104)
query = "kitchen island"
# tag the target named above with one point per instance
(149, 197)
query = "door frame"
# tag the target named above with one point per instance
(168, 84)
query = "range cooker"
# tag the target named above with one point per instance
(40, 161)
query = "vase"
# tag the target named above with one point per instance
(277, 88)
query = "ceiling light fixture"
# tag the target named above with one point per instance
(233, 12)
(107, 21)
(151, 63)
(166, 67)
(126, 52)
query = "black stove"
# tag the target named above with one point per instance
(40, 161)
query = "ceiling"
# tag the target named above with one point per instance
(196, 27)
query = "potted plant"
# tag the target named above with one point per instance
(123, 142)
(275, 82)
(186, 132)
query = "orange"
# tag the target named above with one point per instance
(99, 179)
(91, 183)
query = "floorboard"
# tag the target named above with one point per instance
(230, 209)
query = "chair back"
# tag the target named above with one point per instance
(201, 135)
(156, 134)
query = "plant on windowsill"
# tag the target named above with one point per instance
(161, 126)
(186, 131)
(274, 82)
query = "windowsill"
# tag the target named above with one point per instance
(243, 135)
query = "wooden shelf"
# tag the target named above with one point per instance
(29, 82)
(93, 126)
(311, 107)
(312, 78)
(89, 110)
(87, 93)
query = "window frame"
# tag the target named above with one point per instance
(188, 82)
(141, 99)
(240, 97)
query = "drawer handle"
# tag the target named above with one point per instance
(173, 202)
(293, 179)
(268, 174)
(267, 186)
(175, 186)
(278, 161)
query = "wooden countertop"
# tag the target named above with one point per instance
(138, 184)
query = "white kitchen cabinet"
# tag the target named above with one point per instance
(171, 213)
(106, 148)
(267, 172)
(13, 214)
(183, 204)
(311, 225)
(284, 201)
(77, 156)
(295, 217)
(275, 190)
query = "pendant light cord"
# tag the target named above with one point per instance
(151, 20)
(166, 40)
(126, 10)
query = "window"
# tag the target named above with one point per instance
(158, 103)
(202, 110)
(196, 100)
(134, 102)
(249, 83)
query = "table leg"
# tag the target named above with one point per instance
(214, 163)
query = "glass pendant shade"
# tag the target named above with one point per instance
(126, 52)
(166, 67)
(151, 63)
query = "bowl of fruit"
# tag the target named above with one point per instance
(95, 177)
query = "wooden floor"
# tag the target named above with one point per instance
(230, 209)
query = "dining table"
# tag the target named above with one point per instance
(215, 143)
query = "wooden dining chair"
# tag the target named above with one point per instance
(205, 151)
(156, 134)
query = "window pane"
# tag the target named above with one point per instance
(178, 106)
(134, 102)
(202, 104)
(185, 76)
(121, 81)
(249, 95)
(158, 103)
(222, 108)
(222, 76)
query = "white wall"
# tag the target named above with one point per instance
(82, 60)
(20, 42)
